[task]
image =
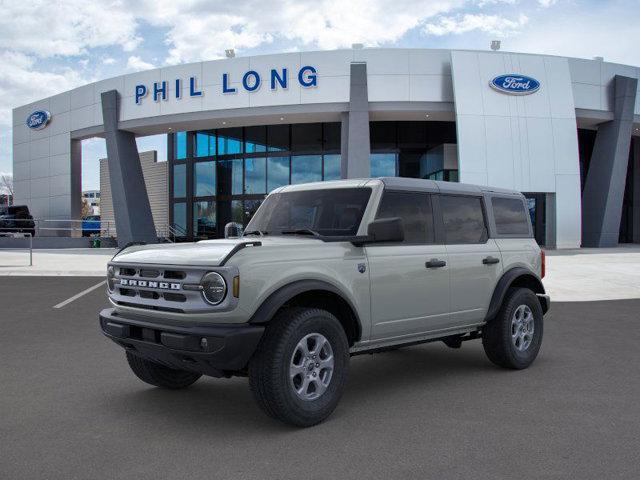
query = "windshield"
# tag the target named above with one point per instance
(327, 212)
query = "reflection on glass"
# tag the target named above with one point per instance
(229, 141)
(204, 219)
(204, 179)
(180, 180)
(250, 207)
(383, 164)
(180, 217)
(332, 136)
(180, 146)
(332, 167)
(237, 212)
(278, 172)
(255, 139)
(306, 168)
(205, 144)
(278, 137)
(306, 137)
(255, 171)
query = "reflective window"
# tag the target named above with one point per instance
(278, 137)
(510, 216)
(335, 211)
(415, 211)
(230, 173)
(180, 146)
(332, 166)
(463, 219)
(250, 208)
(277, 172)
(383, 164)
(229, 141)
(237, 212)
(205, 144)
(383, 135)
(332, 133)
(306, 168)
(180, 180)
(306, 137)
(204, 179)
(180, 217)
(204, 219)
(255, 179)
(255, 139)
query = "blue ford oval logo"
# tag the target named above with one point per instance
(515, 84)
(38, 119)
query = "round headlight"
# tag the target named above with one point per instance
(214, 288)
(111, 273)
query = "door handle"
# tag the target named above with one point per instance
(435, 263)
(490, 260)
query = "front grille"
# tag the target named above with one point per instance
(154, 287)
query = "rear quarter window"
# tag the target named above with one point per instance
(510, 216)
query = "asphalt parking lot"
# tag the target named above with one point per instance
(70, 408)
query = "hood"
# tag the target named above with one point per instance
(206, 253)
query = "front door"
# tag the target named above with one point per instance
(409, 280)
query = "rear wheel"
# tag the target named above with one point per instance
(159, 375)
(513, 338)
(299, 370)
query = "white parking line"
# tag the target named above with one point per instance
(78, 295)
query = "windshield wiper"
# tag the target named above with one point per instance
(261, 233)
(301, 231)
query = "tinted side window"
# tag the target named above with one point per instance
(415, 211)
(511, 218)
(463, 219)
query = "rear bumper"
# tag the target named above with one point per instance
(545, 302)
(215, 350)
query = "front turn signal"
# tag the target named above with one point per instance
(236, 286)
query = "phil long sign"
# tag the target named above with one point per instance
(515, 84)
(250, 81)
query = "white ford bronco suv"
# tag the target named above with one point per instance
(328, 270)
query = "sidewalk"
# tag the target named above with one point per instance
(90, 262)
(572, 275)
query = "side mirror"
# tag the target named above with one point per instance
(232, 230)
(386, 230)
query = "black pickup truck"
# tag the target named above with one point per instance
(17, 219)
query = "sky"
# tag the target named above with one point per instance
(48, 47)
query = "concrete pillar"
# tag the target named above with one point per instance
(131, 208)
(604, 187)
(356, 161)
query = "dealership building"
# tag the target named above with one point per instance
(564, 131)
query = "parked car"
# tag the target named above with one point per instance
(91, 225)
(17, 219)
(329, 270)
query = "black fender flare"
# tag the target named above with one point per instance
(277, 299)
(508, 278)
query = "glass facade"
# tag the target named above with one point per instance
(222, 175)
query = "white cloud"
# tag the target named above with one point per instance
(135, 63)
(46, 28)
(547, 3)
(108, 61)
(491, 24)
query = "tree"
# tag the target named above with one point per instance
(86, 208)
(6, 187)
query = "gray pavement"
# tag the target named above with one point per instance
(71, 409)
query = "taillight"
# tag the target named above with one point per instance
(543, 263)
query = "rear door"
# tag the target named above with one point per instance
(474, 258)
(409, 280)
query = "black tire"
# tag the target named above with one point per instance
(269, 375)
(159, 375)
(497, 334)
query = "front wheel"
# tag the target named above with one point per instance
(513, 338)
(299, 370)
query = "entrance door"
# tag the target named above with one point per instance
(409, 280)
(537, 210)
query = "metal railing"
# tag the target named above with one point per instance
(171, 232)
(23, 235)
(46, 227)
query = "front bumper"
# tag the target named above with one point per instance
(215, 350)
